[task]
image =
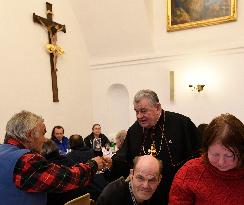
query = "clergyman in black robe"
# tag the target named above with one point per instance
(170, 137)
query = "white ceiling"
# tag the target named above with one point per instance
(114, 29)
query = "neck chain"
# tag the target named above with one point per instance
(153, 150)
(132, 195)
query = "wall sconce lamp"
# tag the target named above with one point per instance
(198, 88)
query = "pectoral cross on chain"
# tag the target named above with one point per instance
(54, 50)
(153, 150)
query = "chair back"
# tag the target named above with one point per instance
(82, 200)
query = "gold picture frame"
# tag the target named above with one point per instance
(185, 14)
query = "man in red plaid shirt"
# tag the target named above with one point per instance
(26, 176)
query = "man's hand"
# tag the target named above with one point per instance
(108, 162)
(100, 162)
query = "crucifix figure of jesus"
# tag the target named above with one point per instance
(54, 50)
(153, 150)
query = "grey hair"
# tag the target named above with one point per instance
(21, 123)
(149, 94)
(121, 135)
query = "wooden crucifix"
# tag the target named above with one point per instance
(54, 50)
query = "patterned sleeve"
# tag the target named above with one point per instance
(33, 173)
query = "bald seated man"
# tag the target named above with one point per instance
(143, 180)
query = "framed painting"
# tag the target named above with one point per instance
(184, 14)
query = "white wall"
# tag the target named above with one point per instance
(214, 54)
(126, 43)
(117, 99)
(222, 74)
(114, 28)
(25, 78)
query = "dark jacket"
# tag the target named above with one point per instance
(82, 154)
(117, 193)
(179, 142)
(56, 158)
(89, 140)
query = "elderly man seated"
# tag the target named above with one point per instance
(26, 176)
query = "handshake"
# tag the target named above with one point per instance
(103, 163)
